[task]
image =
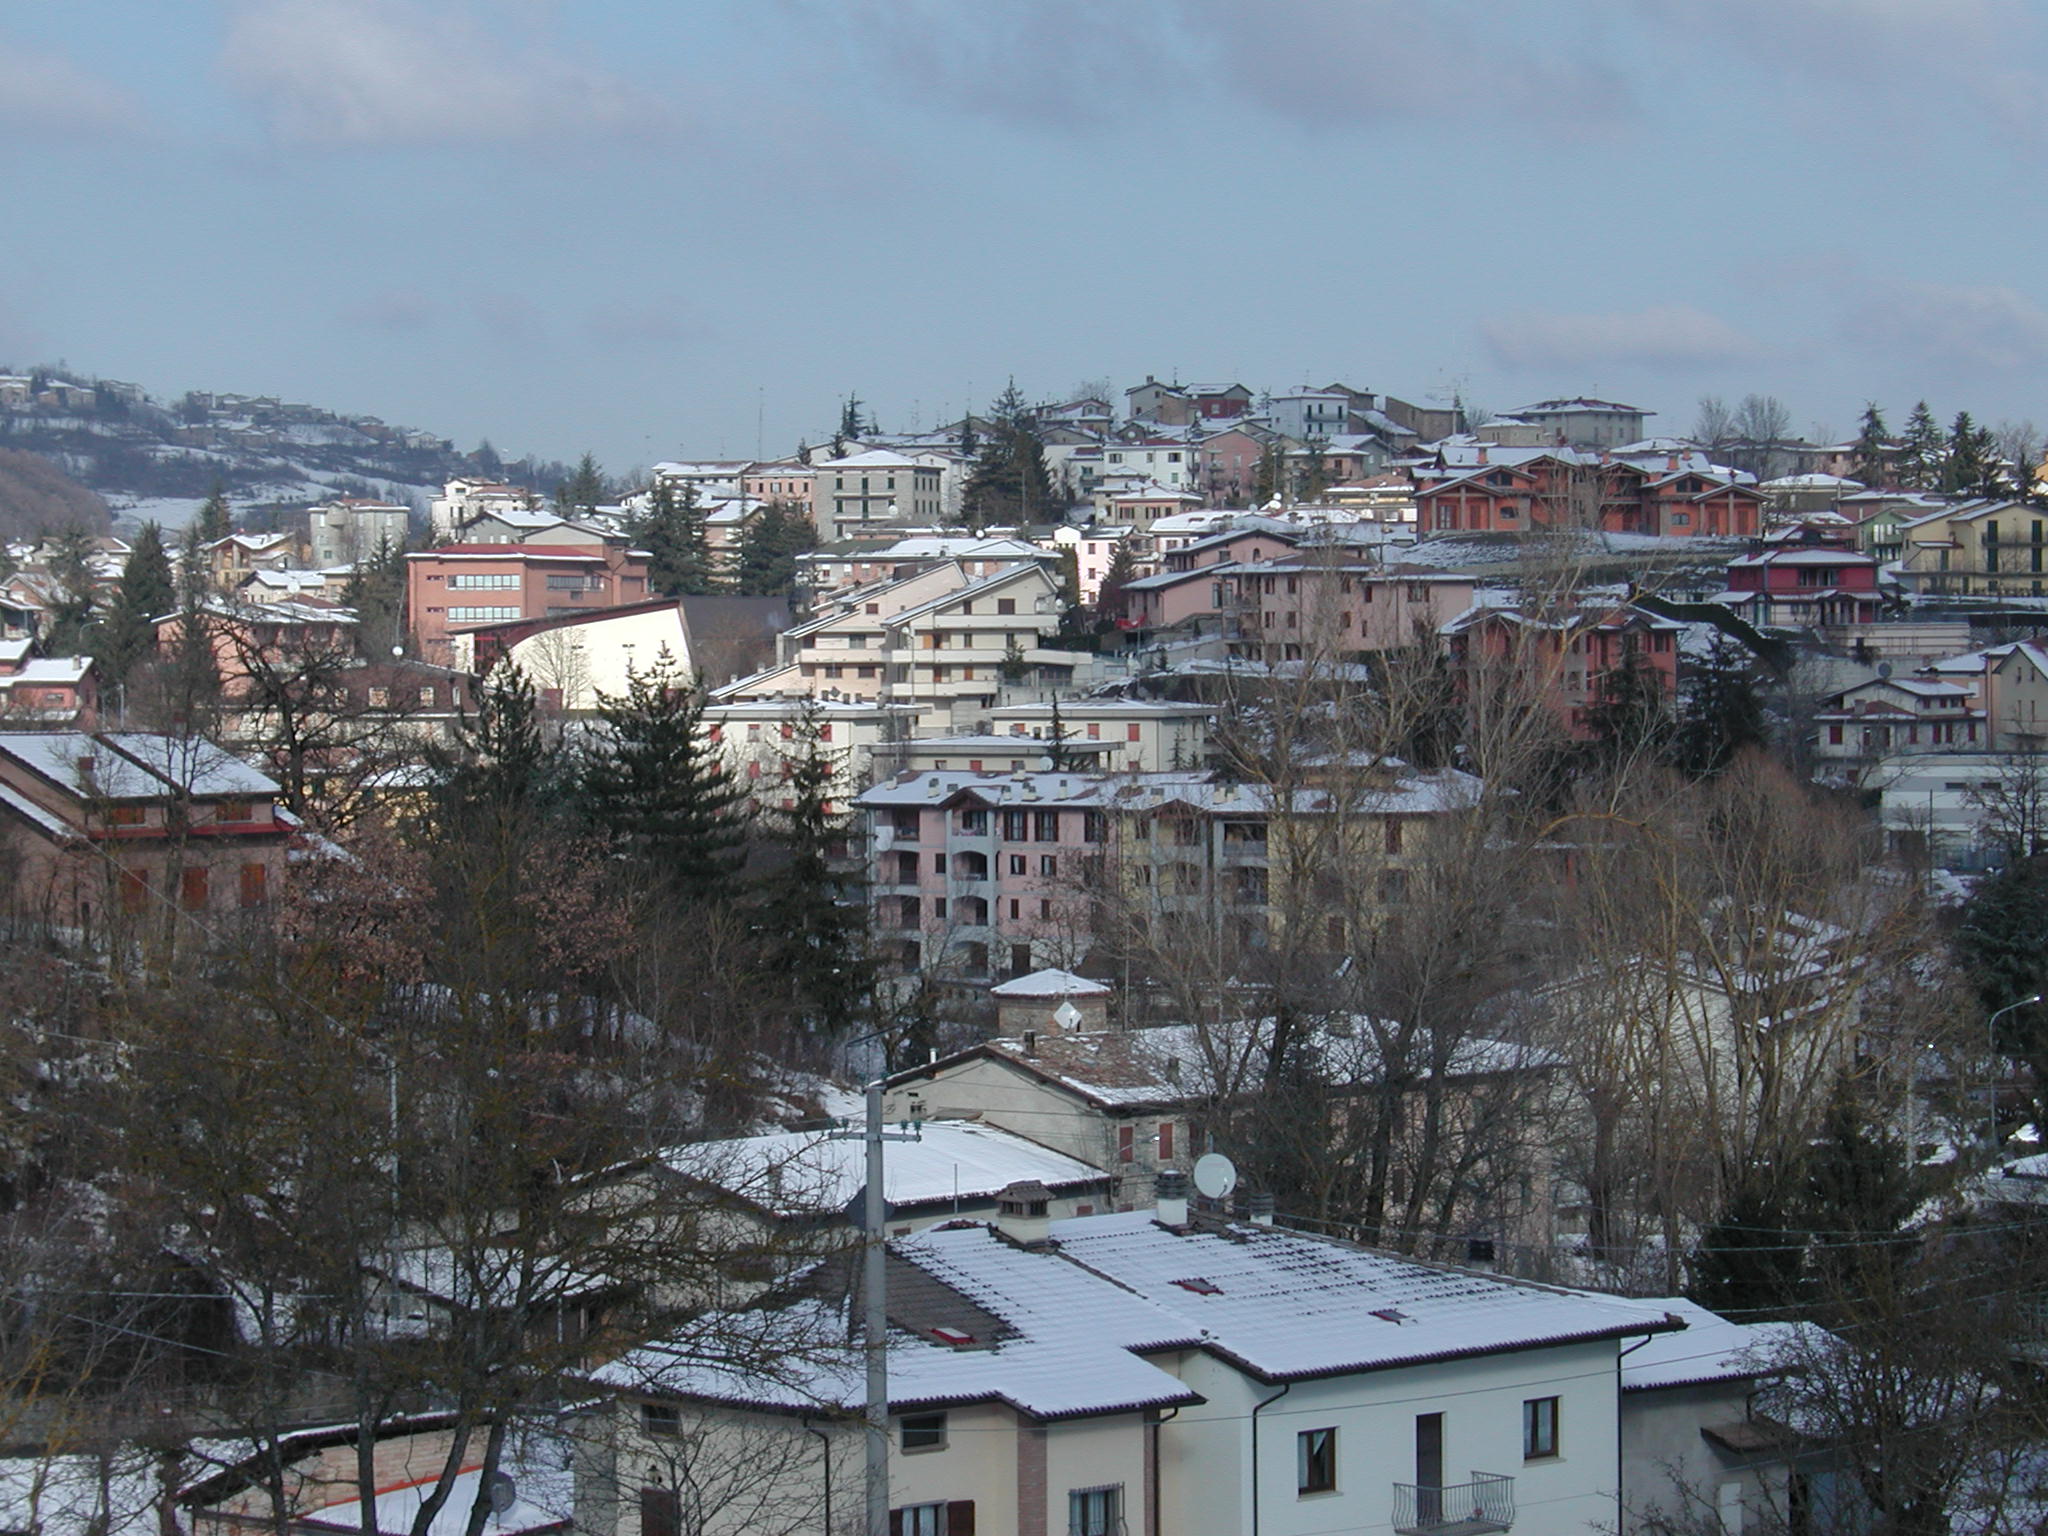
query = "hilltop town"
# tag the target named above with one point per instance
(1282, 958)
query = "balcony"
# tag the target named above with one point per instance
(1487, 1503)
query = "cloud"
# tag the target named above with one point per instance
(406, 72)
(1989, 328)
(1067, 64)
(397, 311)
(1664, 336)
(655, 323)
(1327, 63)
(44, 94)
(1927, 61)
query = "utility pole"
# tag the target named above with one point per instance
(875, 1306)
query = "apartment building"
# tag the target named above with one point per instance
(453, 590)
(874, 489)
(350, 529)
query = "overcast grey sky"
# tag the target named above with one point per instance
(649, 227)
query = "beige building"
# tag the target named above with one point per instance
(874, 489)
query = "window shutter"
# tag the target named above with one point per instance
(960, 1518)
(895, 1522)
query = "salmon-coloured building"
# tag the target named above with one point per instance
(1505, 491)
(1564, 659)
(461, 587)
(1319, 604)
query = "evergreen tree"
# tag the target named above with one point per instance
(1629, 716)
(1720, 710)
(672, 533)
(1861, 1195)
(1749, 1264)
(214, 522)
(657, 790)
(970, 440)
(1111, 604)
(583, 492)
(1923, 453)
(1314, 478)
(1009, 482)
(148, 591)
(376, 591)
(1874, 448)
(74, 607)
(768, 550)
(1971, 463)
(1267, 479)
(1999, 945)
(812, 908)
(487, 460)
(500, 772)
(851, 422)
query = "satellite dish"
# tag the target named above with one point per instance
(1884, 669)
(503, 1491)
(1066, 1016)
(1215, 1176)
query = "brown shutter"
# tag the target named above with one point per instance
(895, 1522)
(960, 1518)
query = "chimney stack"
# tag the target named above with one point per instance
(1262, 1208)
(1021, 1214)
(1479, 1253)
(1170, 1194)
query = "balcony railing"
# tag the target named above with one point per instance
(1487, 1503)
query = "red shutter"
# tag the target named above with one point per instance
(960, 1518)
(1166, 1141)
(1126, 1143)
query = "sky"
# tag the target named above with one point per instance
(651, 229)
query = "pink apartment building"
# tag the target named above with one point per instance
(1326, 605)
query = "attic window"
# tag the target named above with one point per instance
(1392, 1315)
(660, 1418)
(1200, 1286)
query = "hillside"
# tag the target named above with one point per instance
(38, 497)
(147, 458)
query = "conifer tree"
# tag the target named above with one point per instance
(1009, 482)
(768, 551)
(74, 607)
(672, 533)
(656, 789)
(1720, 711)
(214, 522)
(147, 592)
(583, 492)
(500, 771)
(1923, 453)
(812, 909)
(851, 422)
(376, 591)
(1111, 605)
(1970, 467)
(1873, 448)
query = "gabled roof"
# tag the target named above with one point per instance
(1712, 1348)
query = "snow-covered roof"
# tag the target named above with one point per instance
(543, 1499)
(190, 764)
(813, 1173)
(1712, 1348)
(1050, 982)
(1063, 1330)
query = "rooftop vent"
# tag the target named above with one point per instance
(1022, 1213)
(1200, 1286)
(1170, 1194)
(1261, 1204)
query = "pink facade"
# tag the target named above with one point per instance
(1806, 584)
(1566, 661)
(791, 484)
(1311, 606)
(464, 586)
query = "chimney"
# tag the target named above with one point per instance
(1262, 1209)
(1479, 1253)
(1030, 1042)
(1482, 453)
(1170, 1194)
(1021, 1214)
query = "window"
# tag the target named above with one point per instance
(134, 891)
(380, 698)
(234, 810)
(1126, 1144)
(1095, 1511)
(938, 863)
(481, 615)
(1315, 1461)
(661, 1512)
(255, 885)
(427, 697)
(1094, 827)
(923, 1432)
(1018, 863)
(1016, 826)
(1539, 1428)
(1046, 826)
(192, 889)
(126, 815)
(1048, 865)
(918, 1520)
(496, 582)
(660, 1418)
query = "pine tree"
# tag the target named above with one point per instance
(147, 592)
(852, 424)
(1009, 482)
(214, 522)
(1271, 471)
(376, 591)
(1629, 716)
(1970, 467)
(1749, 1263)
(1720, 711)
(768, 550)
(812, 910)
(487, 460)
(657, 790)
(583, 492)
(74, 607)
(1999, 946)
(1111, 605)
(678, 551)
(1874, 449)
(1861, 1195)
(500, 771)
(1923, 453)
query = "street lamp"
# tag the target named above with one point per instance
(1991, 1037)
